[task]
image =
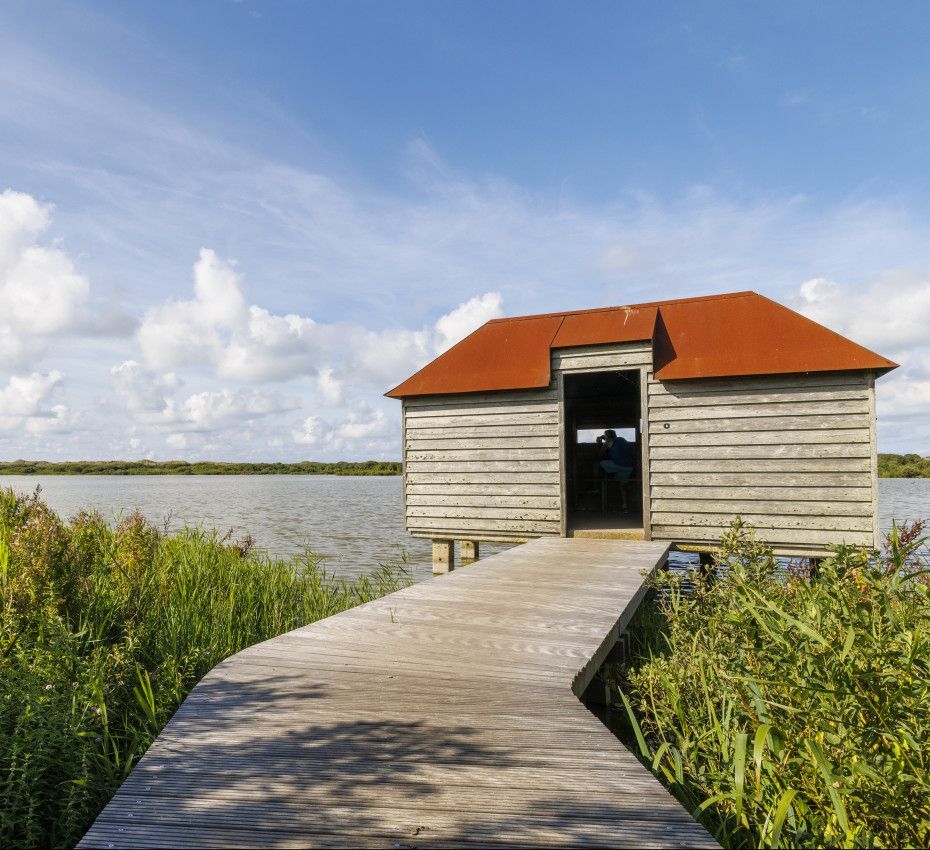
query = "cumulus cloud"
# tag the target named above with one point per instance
(208, 411)
(176, 441)
(330, 387)
(41, 293)
(142, 389)
(218, 328)
(456, 325)
(891, 313)
(24, 403)
(153, 399)
(365, 433)
(250, 343)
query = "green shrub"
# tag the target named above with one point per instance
(791, 710)
(103, 632)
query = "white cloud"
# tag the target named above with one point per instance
(330, 387)
(250, 343)
(24, 403)
(140, 388)
(365, 433)
(467, 317)
(176, 441)
(207, 411)
(41, 294)
(218, 328)
(890, 313)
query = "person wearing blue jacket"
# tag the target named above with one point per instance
(616, 459)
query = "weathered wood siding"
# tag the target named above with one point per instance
(793, 455)
(483, 466)
(602, 358)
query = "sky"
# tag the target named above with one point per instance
(228, 227)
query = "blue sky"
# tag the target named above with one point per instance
(230, 226)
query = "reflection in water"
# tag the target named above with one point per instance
(355, 523)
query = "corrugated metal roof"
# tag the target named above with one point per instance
(718, 336)
(500, 355)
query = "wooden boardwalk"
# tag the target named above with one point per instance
(446, 714)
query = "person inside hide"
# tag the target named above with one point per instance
(616, 456)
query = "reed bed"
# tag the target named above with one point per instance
(790, 710)
(105, 628)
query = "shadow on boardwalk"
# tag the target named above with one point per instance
(214, 779)
(397, 725)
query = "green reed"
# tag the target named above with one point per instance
(790, 710)
(104, 629)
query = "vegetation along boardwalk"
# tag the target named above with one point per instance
(446, 714)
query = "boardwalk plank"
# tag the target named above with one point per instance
(443, 715)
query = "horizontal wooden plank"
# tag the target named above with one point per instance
(801, 398)
(774, 537)
(767, 383)
(496, 501)
(599, 362)
(763, 521)
(489, 477)
(501, 537)
(414, 442)
(452, 466)
(763, 451)
(658, 415)
(455, 410)
(512, 525)
(632, 346)
(476, 512)
(762, 479)
(700, 490)
(808, 422)
(486, 419)
(738, 504)
(753, 465)
(481, 431)
(421, 486)
(511, 456)
(508, 397)
(839, 436)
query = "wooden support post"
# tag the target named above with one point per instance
(469, 550)
(708, 564)
(443, 556)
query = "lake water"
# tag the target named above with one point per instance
(354, 523)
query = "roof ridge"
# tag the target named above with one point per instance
(645, 304)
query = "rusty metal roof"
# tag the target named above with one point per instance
(717, 336)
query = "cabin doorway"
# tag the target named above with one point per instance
(600, 504)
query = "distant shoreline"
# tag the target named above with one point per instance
(889, 466)
(903, 466)
(180, 467)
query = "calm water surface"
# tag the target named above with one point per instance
(355, 523)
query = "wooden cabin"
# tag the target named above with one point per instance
(734, 404)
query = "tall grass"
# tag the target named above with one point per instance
(791, 711)
(104, 629)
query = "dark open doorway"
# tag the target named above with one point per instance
(594, 402)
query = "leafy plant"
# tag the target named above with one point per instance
(785, 710)
(105, 629)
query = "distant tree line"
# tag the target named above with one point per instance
(182, 467)
(903, 466)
